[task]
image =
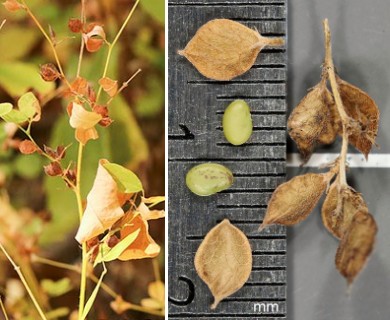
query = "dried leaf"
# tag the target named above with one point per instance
(224, 49)
(110, 86)
(119, 305)
(84, 122)
(156, 291)
(294, 200)
(356, 246)
(12, 5)
(75, 25)
(142, 247)
(103, 206)
(53, 169)
(49, 72)
(312, 121)
(148, 214)
(339, 208)
(94, 37)
(27, 147)
(362, 108)
(224, 260)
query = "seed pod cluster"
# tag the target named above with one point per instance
(320, 116)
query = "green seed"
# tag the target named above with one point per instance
(237, 122)
(208, 178)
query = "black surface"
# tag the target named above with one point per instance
(195, 112)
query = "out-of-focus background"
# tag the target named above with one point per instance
(360, 33)
(135, 139)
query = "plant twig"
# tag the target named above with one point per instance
(26, 7)
(3, 309)
(111, 46)
(156, 269)
(124, 85)
(22, 278)
(84, 259)
(83, 19)
(106, 288)
(329, 67)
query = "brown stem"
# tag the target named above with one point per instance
(329, 68)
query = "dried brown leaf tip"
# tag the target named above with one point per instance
(356, 246)
(294, 200)
(223, 49)
(314, 121)
(224, 260)
(339, 208)
(363, 110)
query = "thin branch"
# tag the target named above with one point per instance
(22, 278)
(156, 269)
(48, 39)
(124, 85)
(329, 67)
(3, 309)
(106, 288)
(83, 20)
(111, 46)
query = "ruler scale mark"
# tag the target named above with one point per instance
(258, 166)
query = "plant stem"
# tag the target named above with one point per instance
(83, 19)
(329, 66)
(84, 260)
(111, 46)
(124, 85)
(22, 278)
(156, 269)
(48, 39)
(95, 279)
(3, 309)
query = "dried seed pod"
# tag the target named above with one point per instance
(362, 108)
(339, 208)
(314, 120)
(223, 49)
(224, 260)
(356, 245)
(293, 200)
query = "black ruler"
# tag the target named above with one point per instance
(195, 110)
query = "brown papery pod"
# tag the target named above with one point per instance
(339, 208)
(314, 120)
(356, 246)
(293, 200)
(362, 108)
(224, 260)
(223, 49)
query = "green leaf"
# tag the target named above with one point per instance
(151, 102)
(28, 105)
(92, 298)
(126, 179)
(15, 116)
(134, 149)
(28, 166)
(156, 8)
(5, 108)
(56, 288)
(116, 251)
(18, 77)
(17, 42)
(57, 313)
